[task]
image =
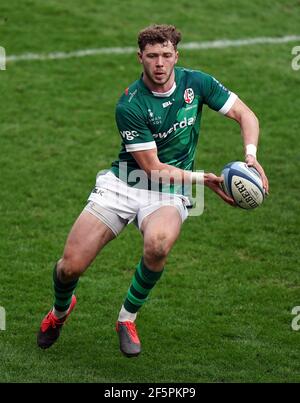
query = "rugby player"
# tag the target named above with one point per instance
(158, 117)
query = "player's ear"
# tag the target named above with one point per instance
(139, 55)
(176, 56)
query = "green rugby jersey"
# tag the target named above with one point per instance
(169, 123)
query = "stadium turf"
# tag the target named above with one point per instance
(222, 310)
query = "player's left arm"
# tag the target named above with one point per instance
(249, 124)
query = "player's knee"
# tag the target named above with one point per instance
(157, 247)
(70, 268)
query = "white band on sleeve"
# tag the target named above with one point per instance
(228, 104)
(140, 146)
(251, 150)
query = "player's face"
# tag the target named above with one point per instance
(158, 62)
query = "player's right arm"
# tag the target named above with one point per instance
(149, 162)
(139, 142)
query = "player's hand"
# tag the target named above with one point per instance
(251, 161)
(213, 182)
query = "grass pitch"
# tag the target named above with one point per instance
(222, 310)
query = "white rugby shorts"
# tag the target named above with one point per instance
(118, 204)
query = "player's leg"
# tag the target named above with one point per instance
(85, 240)
(160, 230)
(87, 237)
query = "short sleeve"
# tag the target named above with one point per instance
(132, 127)
(216, 96)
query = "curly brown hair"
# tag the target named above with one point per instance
(158, 34)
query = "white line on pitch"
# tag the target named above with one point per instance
(222, 43)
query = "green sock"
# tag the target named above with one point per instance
(142, 283)
(63, 292)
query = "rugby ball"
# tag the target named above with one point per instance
(243, 184)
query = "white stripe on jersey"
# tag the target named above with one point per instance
(228, 104)
(140, 146)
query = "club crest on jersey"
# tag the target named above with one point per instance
(188, 95)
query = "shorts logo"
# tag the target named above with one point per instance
(188, 95)
(98, 191)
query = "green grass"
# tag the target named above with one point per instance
(222, 310)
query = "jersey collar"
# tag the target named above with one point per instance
(162, 95)
(165, 94)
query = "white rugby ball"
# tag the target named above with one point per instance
(243, 184)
